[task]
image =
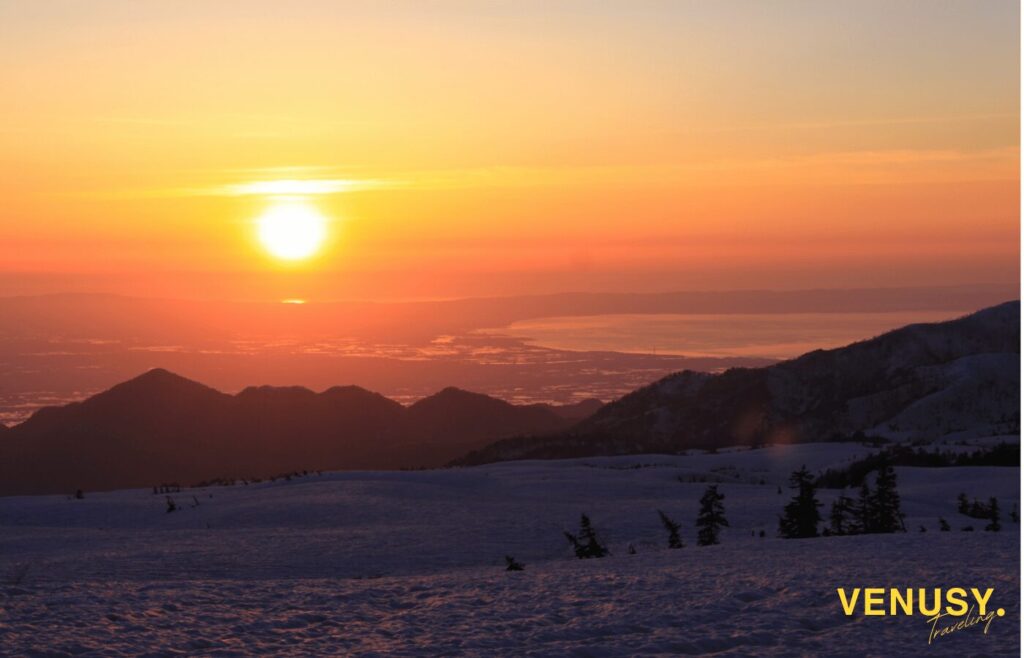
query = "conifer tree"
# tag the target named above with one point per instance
(842, 517)
(993, 515)
(886, 513)
(585, 544)
(864, 508)
(801, 517)
(943, 525)
(711, 518)
(674, 541)
(977, 510)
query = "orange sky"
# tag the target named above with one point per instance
(476, 148)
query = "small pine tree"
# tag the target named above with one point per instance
(993, 514)
(978, 510)
(711, 518)
(887, 514)
(585, 544)
(512, 565)
(800, 516)
(943, 525)
(962, 505)
(170, 505)
(674, 541)
(842, 517)
(1013, 514)
(864, 509)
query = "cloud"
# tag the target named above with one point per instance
(297, 187)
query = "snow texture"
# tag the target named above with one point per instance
(412, 563)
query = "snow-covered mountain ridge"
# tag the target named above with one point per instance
(924, 382)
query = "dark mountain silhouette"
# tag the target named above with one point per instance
(920, 382)
(457, 412)
(576, 411)
(160, 427)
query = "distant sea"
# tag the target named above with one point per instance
(773, 336)
(551, 359)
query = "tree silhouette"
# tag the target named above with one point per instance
(864, 509)
(800, 516)
(993, 515)
(943, 525)
(585, 544)
(674, 541)
(512, 565)
(843, 516)
(711, 518)
(886, 513)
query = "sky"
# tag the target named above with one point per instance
(482, 148)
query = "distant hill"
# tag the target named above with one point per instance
(577, 411)
(160, 427)
(920, 382)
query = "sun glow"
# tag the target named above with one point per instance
(292, 230)
(289, 187)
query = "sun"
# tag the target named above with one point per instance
(292, 230)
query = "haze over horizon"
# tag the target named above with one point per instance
(551, 349)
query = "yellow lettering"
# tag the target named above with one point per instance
(906, 603)
(872, 598)
(982, 601)
(958, 597)
(934, 633)
(848, 604)
(929, 612)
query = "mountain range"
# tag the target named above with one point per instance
(160, 427)
(922, 382)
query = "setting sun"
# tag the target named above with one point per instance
(292, 230)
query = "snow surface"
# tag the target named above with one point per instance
(411, 563)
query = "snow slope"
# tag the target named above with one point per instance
(411, 563)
